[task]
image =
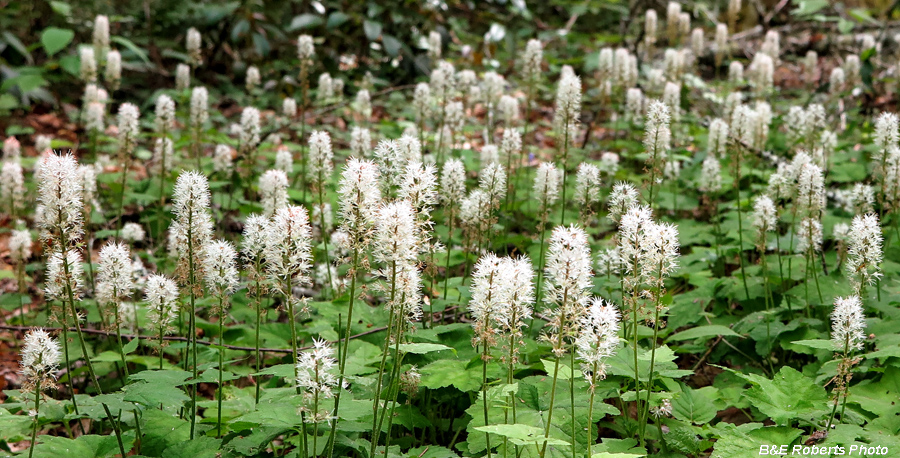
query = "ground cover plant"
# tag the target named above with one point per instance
(681, 241)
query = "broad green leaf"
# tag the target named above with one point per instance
(693, 406)
(450, 372)
(565, 372)
(521, 434)
(336, 19)
(787, 397)
(305, 21)
(391, 45)
(131, 47)
(422, 348)
(55, 39)
(89, 446)
(372, 29)
(616, 455)
(820, 344)
(703, 331)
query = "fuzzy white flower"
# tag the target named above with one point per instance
(360, 142)
(489, 154)
(887, 134)
(410, 148)
(434, 45)
(161, 295)
(64, 275)
(657, 136)
(114, 280)
(765, 216)
(182, 77)
(587, 185)
(12, 149)
(273, 185)
(129, 129)
(546, 184)
(710, 175)
(252, 78)
(453, 181)
(165, 115)
(809, 236)
(568, 106)
(220, 270)
(864, 251)
(40, 360)
(250, 130)
(422, 101)
(508, 106)
(319, 165)
(305, 47)
(487, 299)
(199, 107)
(364, 103)
(315, 376)
(396, 238)
(113, 72)
(288, 248)
(12, 186)
(88, 64)
(391, 164)
(20, 245)
(532, 59)
(193, 42)
(735, 72)
(192, 227)
(359, 198)
(848, 324)
(568, 277)
(621, 199)
(634, 104)
(60, 194)
(651, 26)
(100, 34)
(598, 338)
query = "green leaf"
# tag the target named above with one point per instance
(422, 348)
(450, 372)
(131, 47)
(790, 395)
(391, 45)
(372, 29)
(693, 406)
(820, 344)
(16, 44)
(521, 434)
(565, 372)
(61, 8)
(55, 39)
(704, 331)
(616, 455)
(161, 430)
(88, 446)
(199, 447)
(809, 7)
(336, 19)
(130, 346)
(305, 21)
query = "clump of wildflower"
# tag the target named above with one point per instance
(220, 271)
(250, 129)
(305, 47)
(864, 252)
(199, 107)
(848, 324)
(12, 186)
(60, 194)
(634, 104)
(360, 142)
(192, 227)
(710, 175)
(40, 361)
(568, 106)
(598, 338)
(434, 45)
(621, 199)
(532, 59)
(193, 42)
(657, 136)
(88, 64)
(453, 181)
(587, 187)
(546, 184)
(100, 35)
(320, 163)
(20, 245)
(809, 236)
(182, 77)
(315, 376)
(114, 281)
(252, 78)
(288, 245)
(113, 73)
(568, 281)
(129, 129)
(64, 272)
(359, 197)
(161, 295)
(273, 185)
(364, 104)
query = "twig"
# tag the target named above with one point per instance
(185, 339)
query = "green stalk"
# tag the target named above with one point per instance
(484, 360)
(449, 244)
(562, 327)
(645, 412)
(343, 361)
(565, 166)
(221, 363)
(192, 320)
(737, 189)
(590, 441)
(34, 428)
